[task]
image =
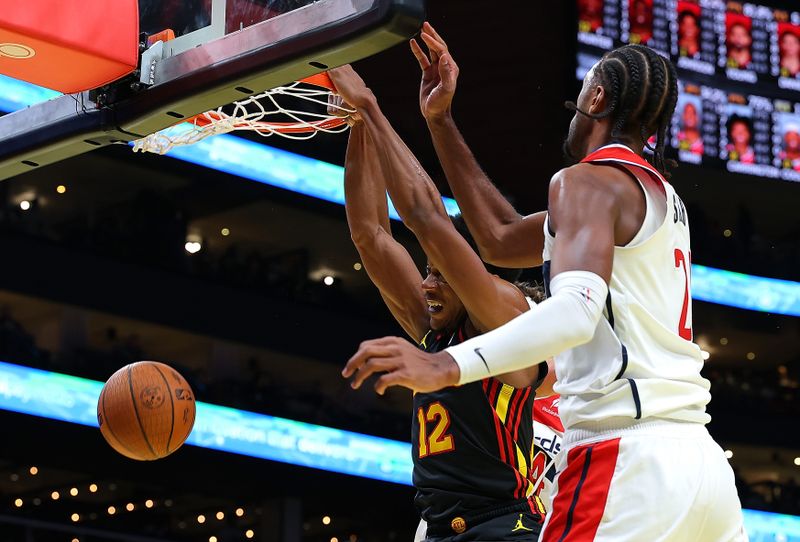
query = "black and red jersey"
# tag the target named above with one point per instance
(472, 445)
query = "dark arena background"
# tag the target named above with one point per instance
(233, 264)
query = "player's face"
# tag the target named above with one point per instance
(690, 117)
(740, 134)
(688, 28)
(792, 140)
(790, 46)
(739, 37)
(580, 126)
(444, 307)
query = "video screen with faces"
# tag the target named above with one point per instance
(739, 70)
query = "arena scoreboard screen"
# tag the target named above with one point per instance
(739, 70)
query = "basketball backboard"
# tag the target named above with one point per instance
(211, 53)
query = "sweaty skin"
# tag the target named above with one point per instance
(584, 241)
(457, 277)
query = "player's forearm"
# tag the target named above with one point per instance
(413, 193)
(365, 190)
(566, 320)
(485, 209)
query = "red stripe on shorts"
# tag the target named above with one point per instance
(582, 493)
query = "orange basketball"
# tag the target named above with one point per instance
(146, 410)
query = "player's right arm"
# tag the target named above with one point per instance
(387, 263)
(504, 237)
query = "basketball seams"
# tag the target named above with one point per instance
(148, 431)
(108, 424)
(190, 425)
(136, 411)
(171, 404)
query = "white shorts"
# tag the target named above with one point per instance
(653, 482)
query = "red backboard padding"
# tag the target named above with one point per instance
(69, 45)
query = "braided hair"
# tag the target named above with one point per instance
(642, 90)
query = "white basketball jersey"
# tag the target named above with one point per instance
(548, 435)
(641, 363)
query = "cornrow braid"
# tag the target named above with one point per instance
(642, 90)
(632, 94)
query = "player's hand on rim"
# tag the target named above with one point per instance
(402, 364)
(350, 86)
(439, 73)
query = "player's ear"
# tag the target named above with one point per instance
(598, 103)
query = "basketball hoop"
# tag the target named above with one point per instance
(258, 114)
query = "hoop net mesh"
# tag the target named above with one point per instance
(266, 114)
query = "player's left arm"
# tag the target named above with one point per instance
(580, 268)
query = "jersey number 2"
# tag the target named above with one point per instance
(437, 442)
(680, 261)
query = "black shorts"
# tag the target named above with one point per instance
(518, 526)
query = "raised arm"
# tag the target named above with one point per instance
(388, 264)
(489, 300)
(504, 237)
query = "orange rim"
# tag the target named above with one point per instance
(204, 119)
(321, 79)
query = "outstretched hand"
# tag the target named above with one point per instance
(402, 364)
(350, 86)
(439, 74)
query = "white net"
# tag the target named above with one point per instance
(297, 111)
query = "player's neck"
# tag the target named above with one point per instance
(603, 140)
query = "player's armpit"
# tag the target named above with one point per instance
(516, 244)
(521, 378)
(546, 387)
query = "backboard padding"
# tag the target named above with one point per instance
(221, 71)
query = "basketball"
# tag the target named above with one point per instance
(146, 410)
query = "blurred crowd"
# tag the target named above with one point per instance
(151, 229)
(741, 247)
(764, 390)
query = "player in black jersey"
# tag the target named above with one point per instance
(472, 445)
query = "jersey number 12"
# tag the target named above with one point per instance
(438, 442)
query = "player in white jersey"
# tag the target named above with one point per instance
(637, 462)
(548, 437)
